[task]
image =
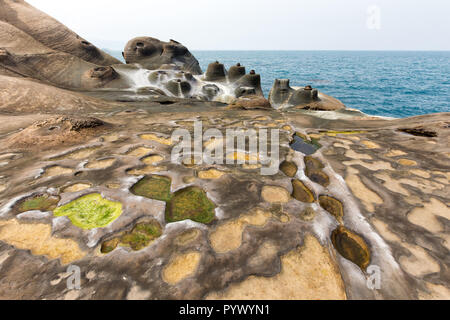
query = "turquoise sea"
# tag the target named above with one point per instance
(384, 83)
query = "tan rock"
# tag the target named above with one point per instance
(369, 198)
(228, 236)
(407, 162)
(211, 174)
(307, 273)
(426, 216)
(181, 267)
(39, 240)
(274, 194)
(77, 187)
(370, 144)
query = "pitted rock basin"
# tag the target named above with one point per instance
(351, 246)
(289, 168)
(313, 170)
(42, 202)
(333, 206)
(190, 203)
(304, 146)
(137, 239)
(301, 192)
(90, 211)
(153, 187)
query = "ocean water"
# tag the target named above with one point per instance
(382, 83)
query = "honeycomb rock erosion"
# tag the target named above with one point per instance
(154, 54)
(93, 173)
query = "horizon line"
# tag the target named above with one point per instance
(306, 50)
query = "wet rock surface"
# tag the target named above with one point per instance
(153, 54)
(351, 246)
(101, 191)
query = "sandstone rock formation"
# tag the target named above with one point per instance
(282, 95)
(154, 54)
(87, 179)
(50, 33)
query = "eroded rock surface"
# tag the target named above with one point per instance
(101, 190)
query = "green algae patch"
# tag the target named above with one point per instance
(190, 203)
(153, 187)
(142, 235)
(41, 202)
(137, 239)
(90, 211)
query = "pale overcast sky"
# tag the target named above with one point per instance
(261, 24)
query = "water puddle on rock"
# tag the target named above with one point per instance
(142, 235)
(304, 146)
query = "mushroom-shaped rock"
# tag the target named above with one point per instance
(244, 91)
(236, 72)
(283, 95)
(215, 72)
(152, 54)
(302, 96)
(251, 80)
(280, 92)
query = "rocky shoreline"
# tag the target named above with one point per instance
(358, 207)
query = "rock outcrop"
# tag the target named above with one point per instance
(282, 95)
(92, 182)
(154, 54)
(51, 33)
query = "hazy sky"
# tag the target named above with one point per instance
(261, 24)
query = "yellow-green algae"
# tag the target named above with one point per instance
(310, 140)
(141, 235)
(137, 239)
(153, 187)
(90, 211)
(333, 133)
(42, 202)
(190, 203)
